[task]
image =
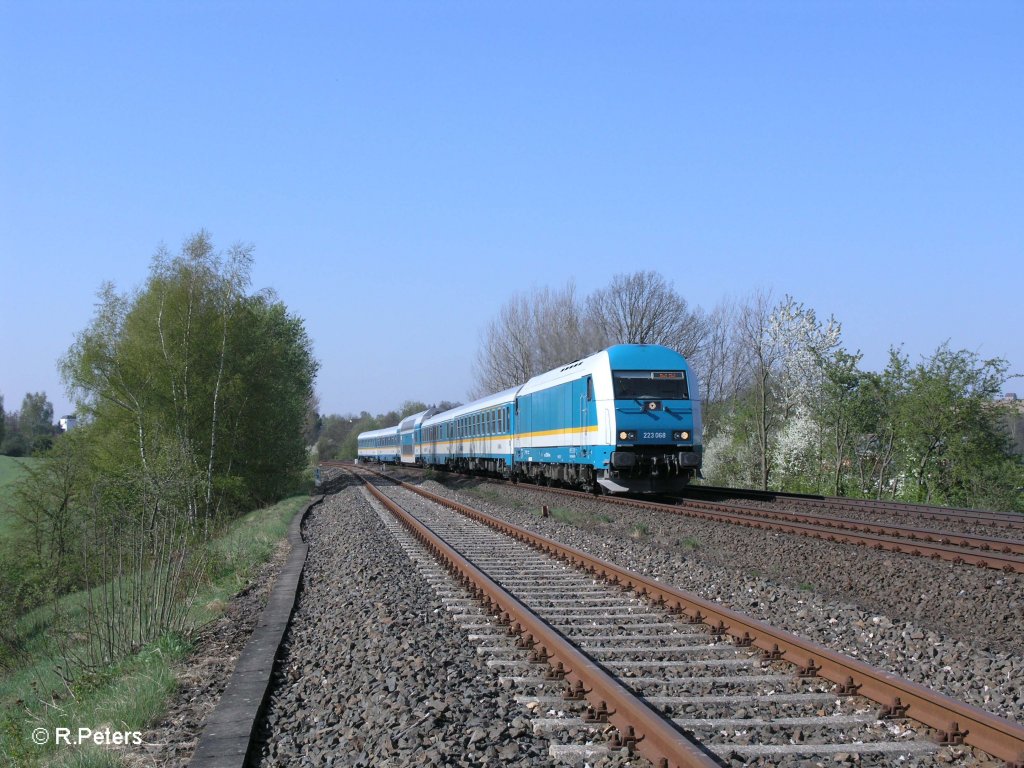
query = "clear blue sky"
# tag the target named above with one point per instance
(402, 168)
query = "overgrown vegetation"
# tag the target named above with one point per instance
(11, 470)
(565, 515)
(131, 693)
(494, 495)
(639, 531)
(29, 430)
(932, 432)
(192, 396)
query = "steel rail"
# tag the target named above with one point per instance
(926, 511)
(968, 541)
(1005, 555)
(956, 721)
(1007, 563)
(640, 726)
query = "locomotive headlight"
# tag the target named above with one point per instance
(684, 435)
(627, 435)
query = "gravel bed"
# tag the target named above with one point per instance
(461, 529)
(954, 629)
(373, 670)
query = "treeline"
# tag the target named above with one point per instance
(29, 430)
(786, 405)
(191, 394)
(813, 420)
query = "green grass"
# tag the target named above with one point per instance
(237, 554)
(133, 693)
(563, 515)
(127, 696)
(639, 531)
(689, 543)
(494, 495)
(11, 469)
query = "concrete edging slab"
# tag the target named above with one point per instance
(228, 730)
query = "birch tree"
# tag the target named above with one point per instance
(194, 394)
(194, 359)
(762, 359)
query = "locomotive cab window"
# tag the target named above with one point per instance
(654, 385)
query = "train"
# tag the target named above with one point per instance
(626, 419)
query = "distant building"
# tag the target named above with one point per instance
(1015, 420)
(68, 423)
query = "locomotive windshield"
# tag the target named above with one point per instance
(655, 385)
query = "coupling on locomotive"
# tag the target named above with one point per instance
(623, 420)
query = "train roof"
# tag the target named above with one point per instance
(639, 357)
(621, 357)
(379, 432)
(566, 372)
(491, 401)
(413, 421)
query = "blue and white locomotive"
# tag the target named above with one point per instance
(626, 419)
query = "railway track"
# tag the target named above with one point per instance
(886, 508)
(667, 669)
(1001, 554)
(995, 552)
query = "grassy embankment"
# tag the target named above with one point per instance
(10, 470)
(131, 694)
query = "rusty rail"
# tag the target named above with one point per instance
(639, 726)
(979, 516)
(1005, 555)
(1000, 554)
(981, 558)
(923, 511)
(983, 543)
(956, 721)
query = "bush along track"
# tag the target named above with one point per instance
(163, 692)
